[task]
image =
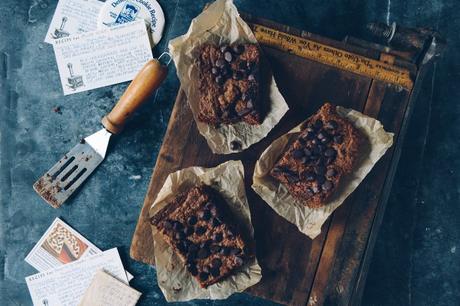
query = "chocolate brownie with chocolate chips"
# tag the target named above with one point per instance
(198, 226)
(229, 84)
(325, 150)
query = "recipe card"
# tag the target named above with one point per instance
(102, 58)
(106, 290)
(66, 285)
(73, 17)
(59, 245)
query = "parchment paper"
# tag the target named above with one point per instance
(174, 280)
(220, 23)
(309, 220)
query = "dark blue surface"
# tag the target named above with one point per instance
(417, 255)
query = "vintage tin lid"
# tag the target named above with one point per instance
(116, 12)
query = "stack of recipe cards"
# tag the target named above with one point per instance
(68, 265)
(73, 17)
(101, 58)
(92, 52)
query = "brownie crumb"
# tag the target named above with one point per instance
(57, 109)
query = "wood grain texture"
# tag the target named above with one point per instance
(328, 270)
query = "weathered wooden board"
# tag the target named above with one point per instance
(330, 269)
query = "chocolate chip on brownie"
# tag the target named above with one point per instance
(192, 220)
(200, 230)
(235, 145)
(198, 226)
(325, 150)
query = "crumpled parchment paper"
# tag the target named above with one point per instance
(176, 283)
(220, 23)
(309, 220)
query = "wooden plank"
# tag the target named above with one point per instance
(379, 213)
(341, 217)
(342, 271)
(349, 92)
(169, 160)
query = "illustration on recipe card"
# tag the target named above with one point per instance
(60, 32)
(64, 245)
(74, 81)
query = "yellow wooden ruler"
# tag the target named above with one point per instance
(333, 56)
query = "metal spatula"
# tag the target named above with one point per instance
(56, 185)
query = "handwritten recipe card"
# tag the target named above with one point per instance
(101, 58)
(106, 290)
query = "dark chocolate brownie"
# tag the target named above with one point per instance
(198, 226)
(325, 150)
(229, 84)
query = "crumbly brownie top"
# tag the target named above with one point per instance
(325, 150)
(229, 84)
(197, 224)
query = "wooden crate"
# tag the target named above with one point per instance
(330, 269)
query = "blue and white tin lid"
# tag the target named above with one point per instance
(116, 12)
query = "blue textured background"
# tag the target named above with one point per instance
(417, 255)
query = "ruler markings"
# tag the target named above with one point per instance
(333, 56)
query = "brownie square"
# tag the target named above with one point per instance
(198, 225)
(325, 150)
(229, 84)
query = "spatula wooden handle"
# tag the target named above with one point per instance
(146, 81)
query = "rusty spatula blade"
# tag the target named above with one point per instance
(56, 185)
